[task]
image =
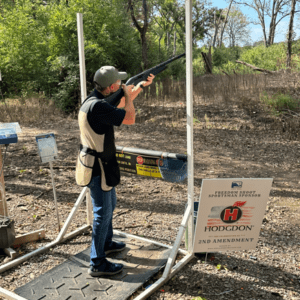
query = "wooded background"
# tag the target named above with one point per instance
(39, 47)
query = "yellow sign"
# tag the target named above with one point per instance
(150, 171)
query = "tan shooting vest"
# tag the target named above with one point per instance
(91, 148)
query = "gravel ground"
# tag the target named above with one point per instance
(230, 141)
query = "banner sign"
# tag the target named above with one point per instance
(47, 147)
(138, 164)
(230, 213)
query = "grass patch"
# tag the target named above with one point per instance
(280, 103)
(29, 110)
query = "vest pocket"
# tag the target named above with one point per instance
(84, 168)
(111, 172)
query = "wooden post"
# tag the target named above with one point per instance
(3, 207)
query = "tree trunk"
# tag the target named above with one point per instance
(168, 40)
(169, 37)
(216, 30)
(142, 30)
(143, 35)
(207, 61)
(290, 35)
(225, 22)
(159, 45)
(174, 46)
(265, 37)
(144, 49)
(272, 24)
(272, 29)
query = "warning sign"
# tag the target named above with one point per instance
(139, 164)
(149, 171)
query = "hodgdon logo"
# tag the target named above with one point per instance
(139, 160)
(229, 215)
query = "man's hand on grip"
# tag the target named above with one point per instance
(128, 91)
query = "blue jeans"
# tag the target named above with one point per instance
(104, 204)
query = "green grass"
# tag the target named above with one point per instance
(280, 103)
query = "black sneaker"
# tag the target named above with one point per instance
(114, 247)
(105, 268)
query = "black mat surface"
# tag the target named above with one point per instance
(70, 280)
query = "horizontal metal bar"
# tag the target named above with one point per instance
(181, 251)
(10, 295)
(157, 284)
(75, 232)
(151, 153)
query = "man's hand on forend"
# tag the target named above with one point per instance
(149, 80)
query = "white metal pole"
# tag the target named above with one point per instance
(61, 236)
(3, 207)
(190, 114)
(72, 214)
(176, 246)
(54, 193)
(132, 236)
(81, 56)
(42, 249)
(10, 295)
(83, 97)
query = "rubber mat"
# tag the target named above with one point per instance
(70, 280)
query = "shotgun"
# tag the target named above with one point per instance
(115, 98)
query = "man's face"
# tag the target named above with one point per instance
(116, 86)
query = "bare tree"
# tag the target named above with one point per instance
(237, 31)
(170, 20)
(279, 10)
(290, 34)
(275, 9)
(224, 24)
(170, 17)
(142, 29)
(217, 23)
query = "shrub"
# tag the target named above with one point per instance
(222, 55)
(271, 58)
(279, 103)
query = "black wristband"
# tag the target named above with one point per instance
(141, 86)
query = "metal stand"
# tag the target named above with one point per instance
(170, 270)
(54, 193)
(3, 207)
(61, 237)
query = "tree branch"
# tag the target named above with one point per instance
(136, 24)
(254, 67)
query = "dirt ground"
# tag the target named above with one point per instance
(230, 141)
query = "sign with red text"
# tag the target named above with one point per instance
(230, 213)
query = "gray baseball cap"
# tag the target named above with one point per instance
(108, 75)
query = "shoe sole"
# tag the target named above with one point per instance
(95, 274)
(114, 250)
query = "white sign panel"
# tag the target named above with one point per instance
(230, 213)
(8, 132)
(47, 147)
(14, 126)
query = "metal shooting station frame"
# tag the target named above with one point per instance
(187, 221)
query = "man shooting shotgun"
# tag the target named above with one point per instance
(97, 166)
(138, 81)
